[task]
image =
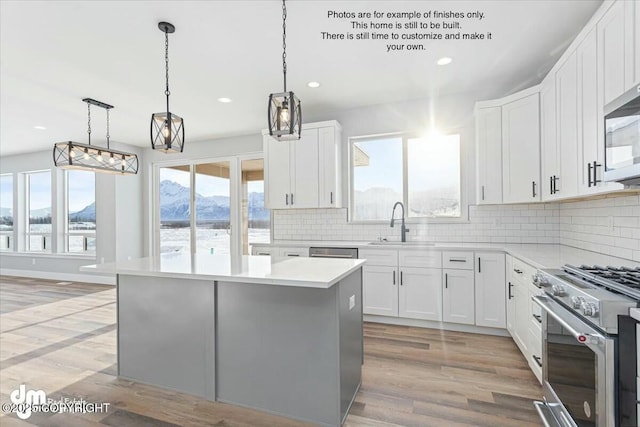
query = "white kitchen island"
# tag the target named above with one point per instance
(279, 335)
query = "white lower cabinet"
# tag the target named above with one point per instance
(380, 292)
(458, 299)
(490, 301)
(420, 293)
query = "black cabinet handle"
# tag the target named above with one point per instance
(589, 174)
(538, 318)
(291, 199)
(538, 360)
(401, 279)
(517, 271)
(483, 192)
(286, 198)
(479, 269)
(510, 294)
(533, 188)
(331, 197)
(394, 277)
(555, 182)
(446, 280)
(457, 260)
(550, 185)
(596, 165)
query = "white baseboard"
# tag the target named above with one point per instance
(66, 277)
(436, 325)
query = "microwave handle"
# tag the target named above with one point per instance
(580, 336)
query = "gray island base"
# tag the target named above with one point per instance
(281, 341)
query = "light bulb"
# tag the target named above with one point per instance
(284, 114)
(86, 154)
(72, 153)
(166, 130)
(112, 160)
(99, 158)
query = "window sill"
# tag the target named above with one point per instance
(91, 257)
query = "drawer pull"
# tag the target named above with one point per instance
(538, 318)
(538, 360)
(457, 260)
(293, 254)
(517, 271)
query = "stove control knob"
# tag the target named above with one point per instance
(590, 309)
(577, 302)
(558, 290)
(539, 280)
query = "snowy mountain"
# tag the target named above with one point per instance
(87, 214)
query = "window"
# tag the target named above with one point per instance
(6, 212)
(38, 186)
(206, 190)
(81, 212)
(423, 173)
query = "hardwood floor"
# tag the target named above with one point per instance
(61, 338)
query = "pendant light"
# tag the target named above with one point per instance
(167, 129)
(284, 113)
(74, 155)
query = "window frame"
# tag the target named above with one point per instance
(27, 215)
(405, 136)
(65, 213)
(10, 235)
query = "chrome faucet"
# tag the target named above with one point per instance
(403, 228)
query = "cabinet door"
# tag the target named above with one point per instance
(521, 150)
(490, 285)
(611, 52)
(511, 309)
(380, 290)
(278, 189)
(458, 297)
(549, 143)
(420, 293)
(329, 170)
(489, 154)
(636, 59)
(304, 167)
(631, 44)
(566, 97)
(521, 295)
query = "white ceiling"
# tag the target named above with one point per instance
(54, 53)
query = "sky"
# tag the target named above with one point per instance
(39, 190)
(81, 188)
(385, 165)
(205, 185)
(6, 191)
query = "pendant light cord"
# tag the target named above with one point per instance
(284, 43)
(89, 121)
(166, 60)
(108, 136)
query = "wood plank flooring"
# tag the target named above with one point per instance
(61, 338)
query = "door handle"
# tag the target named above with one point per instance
(394, 277)
(595, 173)
(510, 295)
(538, 360)
(446, 280)
(331, 196)
(483, 192)
(555, 181)
(537, 317)
(550, 185)
(479, 269)
(517, 271)
(291, 199)
(286, 199)
(589, 174)
(533, 188)
(401, 279)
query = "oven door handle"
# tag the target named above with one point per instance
(545, 414)
(582, 337)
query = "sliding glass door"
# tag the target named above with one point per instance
(213, 207)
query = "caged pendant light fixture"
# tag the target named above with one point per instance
(167, 129)
(74, 155)
(284, 112)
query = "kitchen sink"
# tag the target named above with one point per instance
(395, 243)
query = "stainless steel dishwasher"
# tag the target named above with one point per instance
(323, 252)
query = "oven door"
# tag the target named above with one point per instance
(578, 370)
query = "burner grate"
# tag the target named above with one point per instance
(624, 280)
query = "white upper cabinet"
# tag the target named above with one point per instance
(590, 121)
(611, 48)
(521, 150)
(549, 142)
(632, 43)
(489, 155)
(567, 127)
(304, 173)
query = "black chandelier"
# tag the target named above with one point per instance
(74, 155)
(167, 130)
(285, 113)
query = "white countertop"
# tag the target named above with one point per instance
(299, 272)
(635, 313)
(537, 255)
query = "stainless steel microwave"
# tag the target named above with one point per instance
(622, 139)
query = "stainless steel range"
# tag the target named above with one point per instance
(581, 321)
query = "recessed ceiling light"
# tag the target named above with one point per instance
(444, 60)
(224, 100)
(313, 84)
(40, 127)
